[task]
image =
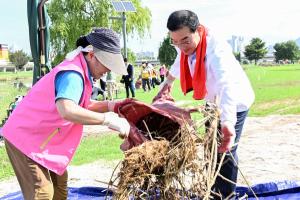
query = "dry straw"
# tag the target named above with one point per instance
(176, 167)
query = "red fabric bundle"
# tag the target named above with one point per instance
(162, 110)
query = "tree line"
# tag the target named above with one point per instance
(254, 51)
(72, 18)
(283, 51)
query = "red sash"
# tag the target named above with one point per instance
(197, 83)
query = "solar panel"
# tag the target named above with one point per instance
(118, 6)
(123, 6)
(128, 5)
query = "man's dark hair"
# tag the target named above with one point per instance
(182, 18)
(125, 59)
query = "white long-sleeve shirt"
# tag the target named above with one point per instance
(225, 78)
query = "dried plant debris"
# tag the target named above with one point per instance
(176, 162)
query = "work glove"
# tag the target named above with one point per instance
(111, 104)
(114, 122)
(228, 137)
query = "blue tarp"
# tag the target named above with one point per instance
(265, 191)
(273, 190)
(88, 193)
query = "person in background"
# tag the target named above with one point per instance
(138, 82)
(129, 79)
(206, 65)
(162, 72)
(145, 74)
(45, 129)
(96, 90)
(153, 77)
(149, 67)
(111, 85)
(103, 85)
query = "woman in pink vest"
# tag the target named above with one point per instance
(162, 72)
(44, 131)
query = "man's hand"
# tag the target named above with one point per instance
(228, 137)
(168, 81)
(113, 121)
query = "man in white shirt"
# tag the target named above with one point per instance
(208, 67)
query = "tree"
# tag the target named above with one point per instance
(19, 58)
(237, 56)
(286, 51)
(166, 53)
(73, 18)
(131, 56)
(255, 50)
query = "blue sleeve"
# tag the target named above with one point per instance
(68, 85)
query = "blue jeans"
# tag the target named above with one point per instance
(144, 83)
(129, 85)
(229, 169)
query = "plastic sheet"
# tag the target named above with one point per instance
(272, 190)
(265, 191)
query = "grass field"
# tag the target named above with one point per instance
(277, 91)
(6, 76)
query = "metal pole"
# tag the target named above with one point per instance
(124, 33)
(42, 47)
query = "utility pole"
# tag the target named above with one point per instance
(123, 18)
(123, 7)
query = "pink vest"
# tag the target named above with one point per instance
(36, 128)
(162, 71)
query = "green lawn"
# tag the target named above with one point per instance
(7, 95)
(5, 166)
(105, 147)
(277, 91)
(7, 90)
(12, 75)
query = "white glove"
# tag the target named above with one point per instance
(113, 121)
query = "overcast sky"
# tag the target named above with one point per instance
(271, 20)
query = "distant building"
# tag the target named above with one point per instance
(236, 43)
(146, 55)
(271, 50)
(269, 57)
(4, 54)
